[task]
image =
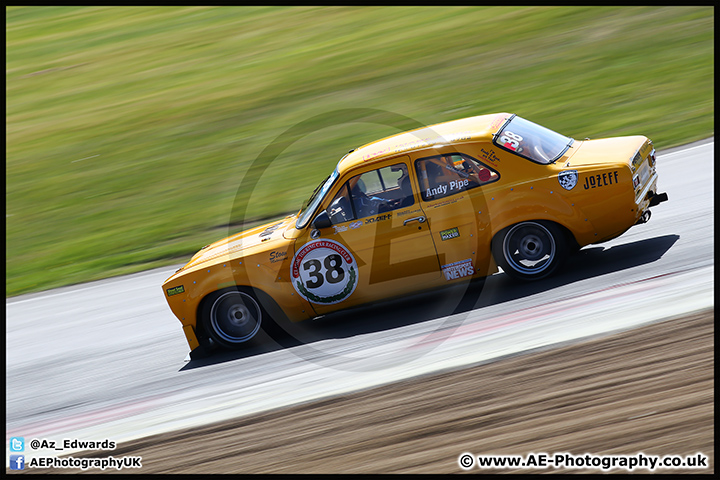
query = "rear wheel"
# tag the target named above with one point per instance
(530, 250)
(232, 317)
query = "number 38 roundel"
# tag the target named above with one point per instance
(324, 272)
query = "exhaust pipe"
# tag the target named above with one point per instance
(644, 218)
(657, 199)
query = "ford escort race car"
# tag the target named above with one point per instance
(416, 211)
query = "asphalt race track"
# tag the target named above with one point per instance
(106, 359)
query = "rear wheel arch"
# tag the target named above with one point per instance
(532, 249)
(572, 243)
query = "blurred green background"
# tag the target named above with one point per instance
(129, 129)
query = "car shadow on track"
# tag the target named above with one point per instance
(590, 262)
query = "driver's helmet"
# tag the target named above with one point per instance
(399, 168)
(359, 188)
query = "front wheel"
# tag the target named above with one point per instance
(232, 317)
(530, 250)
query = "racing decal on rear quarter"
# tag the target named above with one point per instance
(324, 271)
(463, 268)
(568, 179)
(601, 180)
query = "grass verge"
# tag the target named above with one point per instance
(129, 128)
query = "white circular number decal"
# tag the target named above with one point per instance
(324, 271)
(511, 140)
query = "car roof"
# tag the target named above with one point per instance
(471, 129)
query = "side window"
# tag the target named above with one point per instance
(340, 209)
(446, 175)
(381, 190)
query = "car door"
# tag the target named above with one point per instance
(452, 197)
(378, 246)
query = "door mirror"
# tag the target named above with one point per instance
(322, 220)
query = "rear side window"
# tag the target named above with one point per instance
(445, 175)
(530, 140)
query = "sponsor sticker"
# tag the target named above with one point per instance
(269, 231)
(568, 179)
(408, 212)
(640, 156)
(379, 218)
(637, 160)
(511, 141)
(324, 272)
(442, 189)
(355, 225)
(450, 233)
(490, 156)
(644, 174)
(445, 202)
(601, 180)
(277, 256)
(175, 290)
(497, 122)
(463, 268)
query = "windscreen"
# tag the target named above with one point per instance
(312, 203)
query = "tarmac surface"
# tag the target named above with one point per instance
(648, 390)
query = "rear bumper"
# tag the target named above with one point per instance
(652, 199)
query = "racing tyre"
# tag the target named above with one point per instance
(530, 250)
(232, 317)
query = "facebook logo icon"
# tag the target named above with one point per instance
(17, 462)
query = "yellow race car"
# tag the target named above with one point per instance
(416, 211)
